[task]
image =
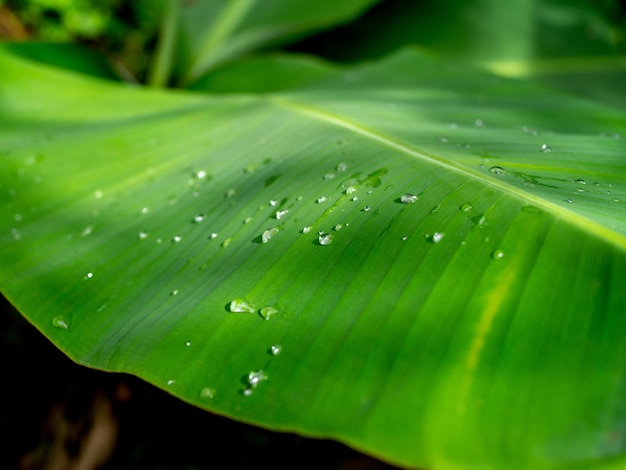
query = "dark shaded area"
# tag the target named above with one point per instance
(57, 414)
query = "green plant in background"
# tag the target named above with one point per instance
(414, 256)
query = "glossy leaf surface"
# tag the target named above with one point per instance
(478, 325)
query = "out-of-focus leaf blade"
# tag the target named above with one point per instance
(480, 326)
(212, 32)
(262, 74)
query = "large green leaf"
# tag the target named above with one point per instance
(481, 326)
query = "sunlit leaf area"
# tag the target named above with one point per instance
(337, 234)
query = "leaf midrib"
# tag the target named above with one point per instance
(583, 223)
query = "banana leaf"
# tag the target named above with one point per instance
(419, 259)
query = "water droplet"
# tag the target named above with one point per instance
(497, 170)
(269, 234)
(187, 343)
(247, 392)
(275, 349)
(199, 218)
(207, 392)
(247, 220)
(174, 292)
(370, 191)
(200, 174)
(466, 207)
(268, 312)
(437, 237)
(16, 234)
(281, 214)
(273, 202)
(143, 235)
(615, 199)
(498, 254)
(88, 275)
(355, 198)
(342, 167)
(98, 194)
(479, 123)
(350, 190)
(60, 322)
(579, 181)
(326, 239)
(231, 192)
(453, 125)
(144, 210)
(405, 238)
(213, 235)
(87, 231)
(329, 176)
(177, 239)
(338, 227)
(171, 382)
(159, 240)
(242, 306)
(442, 139)
(545, 148)
(408, 198)
(321, 199)
(226, 242)
(569, 201)
(367, 209)
(307, 229)
(256, 377)
(18, 217)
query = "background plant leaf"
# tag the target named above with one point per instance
(491, 337)
(212, 32)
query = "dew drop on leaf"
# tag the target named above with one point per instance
(242, 306)
(307, 229)
(408, 198)
(367, 209)
(326, 239)
(226, 242)
(268, 312)
(177, 239)
(256, 377)
(275, 349)
(198, 218)
(498, 254)
(342, 167)
(280, 214)
(545, 148)
(321, 199)
(187, 343)
(60, 322)
(569, 201)
(437, 237)
(350, 190)
(329, 176)
(466, 207)
(142, 235)
(338, 227)
(497, 170)
(207, 392)
(268, 234)
(580, 181)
